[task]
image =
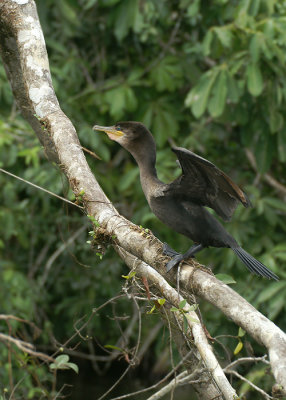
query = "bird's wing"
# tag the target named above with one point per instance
(202, 182)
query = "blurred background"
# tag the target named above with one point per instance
(206, 75)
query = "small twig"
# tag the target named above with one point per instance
(91, 153)
(245, 360)
(40, 188)
(158, 383)
(133, 361)
(182, 379)
(56, 254)
(264, 394)
(25, 347)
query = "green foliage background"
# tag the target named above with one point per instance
(209, 76)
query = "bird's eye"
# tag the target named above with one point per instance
(118, 127)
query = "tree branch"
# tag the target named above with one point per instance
(24, 56)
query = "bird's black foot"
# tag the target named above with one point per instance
(177, 257)
(175, 261)
(168, 251)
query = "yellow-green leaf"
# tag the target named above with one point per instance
(238, 348)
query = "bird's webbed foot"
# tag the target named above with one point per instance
(177, 257)
(168, 251)
(174, 261)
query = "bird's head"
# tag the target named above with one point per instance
(123, 131)
(130, 134)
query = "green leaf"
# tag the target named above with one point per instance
(254, 7)
(182, 304)
(217, 102)
(198, 97)
(128, 179)
(227, 279)
(110, 346)
(264, 151)
(193, 9)
(275, 203)
(276, 121)
(241, 332)
(255, 48)
(207, 42)
(225, 36)
(167, 74)
(270, 291)
(254, 79)
(74, 367)
(238, 348)
(129, 276)
(62, 362)
(126, 18)
(161, 301)
(152, 310)
(186, 325)
(233, 93)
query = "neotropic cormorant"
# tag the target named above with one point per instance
(180, 204)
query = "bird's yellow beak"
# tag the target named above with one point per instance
(110, 130)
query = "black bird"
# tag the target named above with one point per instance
(180, 204)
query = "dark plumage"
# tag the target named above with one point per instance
(180, 204)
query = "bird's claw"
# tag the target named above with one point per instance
(175, 261)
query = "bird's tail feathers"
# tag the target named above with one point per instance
(254, 265)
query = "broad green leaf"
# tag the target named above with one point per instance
(264, 151)
(198, 97)
(255, 47)
(126, 18)
(128, 179)
(161, 301)
(233, 92)
(227, 279)
(254, 7)
(254, 79)
(62, 359)
(269, 29)
(225, 36)
(207, 42)
(193, 9)
(275, 203)
(217, 102)
(276, 121)
(167, 74)
(73, 366)
(165, 125)
(269, 4)
(191, 319)
(270, 291)
(182, 303)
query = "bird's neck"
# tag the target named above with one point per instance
(146, 161)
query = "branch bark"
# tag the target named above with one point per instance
(25, 59)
